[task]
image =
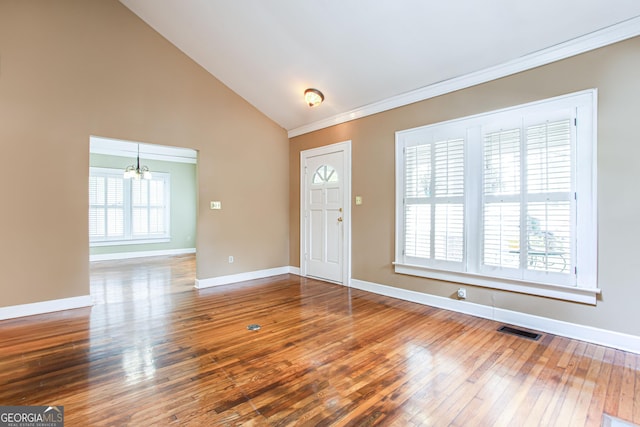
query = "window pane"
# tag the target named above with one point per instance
(418, 171)
(139, 192)
(115, 194)
(140, 221)
(449, 234)
(96, 222)
(156, 193)
(323, 174)
(156, 220)
(449, 168)
(502, 162)
(418, 231)
(96, 190)
(501, 225)
(549, 157)
(549, 236)
(115, 222)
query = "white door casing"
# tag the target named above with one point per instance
(325, 212)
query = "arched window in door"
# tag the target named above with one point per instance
(324, 174)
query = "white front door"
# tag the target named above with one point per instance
(325, 213)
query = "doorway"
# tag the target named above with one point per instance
(142, 230)
(325, 213)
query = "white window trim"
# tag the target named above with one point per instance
(586, 289)
(119, 241)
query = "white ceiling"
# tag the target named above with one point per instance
(362, 52)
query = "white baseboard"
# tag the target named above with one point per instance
(590, 334)
(294, 270)
(15, 311)
(241, 277)
(141, 254)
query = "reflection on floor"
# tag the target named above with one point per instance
(141, 278)
(154, 351)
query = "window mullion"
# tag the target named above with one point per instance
(473, 199)
(149, 206)
(432, 200)
(524, 243)
(105, 209)
(128, 211)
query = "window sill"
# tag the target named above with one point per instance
(129, 242)
(567, 293)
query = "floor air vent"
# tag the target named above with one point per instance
(519, 332)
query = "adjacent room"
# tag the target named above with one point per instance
(319, 213)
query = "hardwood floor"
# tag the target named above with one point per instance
(155, 351)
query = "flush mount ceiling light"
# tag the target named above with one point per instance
(313, 97)
(136, 171)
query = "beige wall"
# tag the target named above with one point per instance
(70, 69)
(615, 71)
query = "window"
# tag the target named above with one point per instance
(324, 174)
(504, 199)
(127, 211)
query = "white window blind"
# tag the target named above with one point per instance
(531, 204)
(125, 211)
(148, 205)
(106, 207)
(502, 199)
(434, 201)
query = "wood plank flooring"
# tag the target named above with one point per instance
(154, 351)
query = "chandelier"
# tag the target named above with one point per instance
(136, 171)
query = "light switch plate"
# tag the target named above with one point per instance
(216, 205)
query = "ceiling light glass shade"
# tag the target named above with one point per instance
(136, 171)
(133, 172)
(313, 97)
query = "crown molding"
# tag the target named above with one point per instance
(597, 39)
(117, 147)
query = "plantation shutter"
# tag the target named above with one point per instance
(504, 199)
(148, 207)
(549, 178)
(528, 199)
(115, 206)
(417, 201)
(501, 198)
(122, 210)
(97, 213)
(449, 200)
(434, 201)
(106, 207)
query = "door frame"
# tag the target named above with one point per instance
(345, 147)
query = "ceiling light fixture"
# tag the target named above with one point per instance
(137, 172)
(313, 97)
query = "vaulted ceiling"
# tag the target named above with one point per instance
(362, 53)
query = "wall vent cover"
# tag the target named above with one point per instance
(519, 332)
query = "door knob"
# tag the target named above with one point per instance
(339, 219)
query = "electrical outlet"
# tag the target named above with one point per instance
(216, 205)
(462, 293)
(230, 259)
